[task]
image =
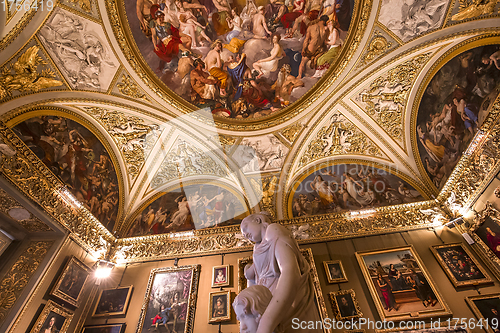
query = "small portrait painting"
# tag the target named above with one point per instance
(220, 276)
(113, 301)
(344, 304)
(53, 319)
(220, 306)
(335, 271)
(70, 284)
(487, 307)
(114, 328)
(459, 265)
(489, 232)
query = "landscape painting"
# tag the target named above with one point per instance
(241, 58)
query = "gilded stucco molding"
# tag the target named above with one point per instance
(31, 223)
(468, 9)
(127, 86)
(119, 25)
(266, 189)
(26, 172)
(20, 273)
(292, 132)
(20, 25)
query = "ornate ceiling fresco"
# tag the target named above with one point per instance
(149, 145)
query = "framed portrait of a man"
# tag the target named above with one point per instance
(460, 266)
(170, 299)
(112, 302)
(334, 271)
(400, 285)
(54, 318)
(220, 306)
(71, 282)
(220, 276)
(345, 305)
(487, 308)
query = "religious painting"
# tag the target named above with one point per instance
(345, 305)
(77, 157)
(400, 285)
(487, 308)
(453, 107)
(220, 276)
(408, 19)
(70, 284)
(344, 187)
(486, 234)
(219, 307)
(334, 271)
(242, 59)
(54, 318)
(462, 269)
(113, 328)
(80, 50)
(112, 302)
(260, 154)
(188, 208)
(319, 301)
(170, 299)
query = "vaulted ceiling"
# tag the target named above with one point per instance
(362, 112)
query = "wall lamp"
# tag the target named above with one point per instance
(103, 269)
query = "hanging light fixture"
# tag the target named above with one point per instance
(103, 269)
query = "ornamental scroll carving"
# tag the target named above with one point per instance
(339, 137)
(20, 274)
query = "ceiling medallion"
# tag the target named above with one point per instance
(19, 214)
(242, 60)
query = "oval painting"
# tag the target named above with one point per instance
(188, 208)
(453, 108)
(345, 187)
(240, 58)
(77, 157)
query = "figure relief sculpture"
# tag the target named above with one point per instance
(279, 266)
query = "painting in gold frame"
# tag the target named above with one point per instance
(460, 266)
(345, 305)
(219, 306)
(53, 317)
(487, 308)
(112, 302)
(168, 287)
(400, 285)
(486, 234)
(221, 276)
(335, 272)
(71, 282)
(308, 255)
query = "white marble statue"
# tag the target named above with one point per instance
(279, 266)
(250, 305)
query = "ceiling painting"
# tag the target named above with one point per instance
(453, 107)
(80, 50)
(254, 57)
(190, 207)
(260, 154)
(77, 157)
(344, 187)
(408, 19)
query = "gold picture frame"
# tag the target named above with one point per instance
(308, 255)
(112, 302)
(460, 266)
(403, 302)
(432, 327)
(482, 306)
(62, 318)
(71, 282)
(334, 271)
(219, 309)
(489, 217)
(110, 328)
(345, 305)
(167, 286)
(221, 276)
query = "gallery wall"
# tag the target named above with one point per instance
(344, 250)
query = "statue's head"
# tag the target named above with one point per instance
(253, 226)
(250, 305)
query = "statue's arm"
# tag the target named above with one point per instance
(285, 291)
(250, 274)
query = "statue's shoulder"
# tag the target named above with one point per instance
(276, 230)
